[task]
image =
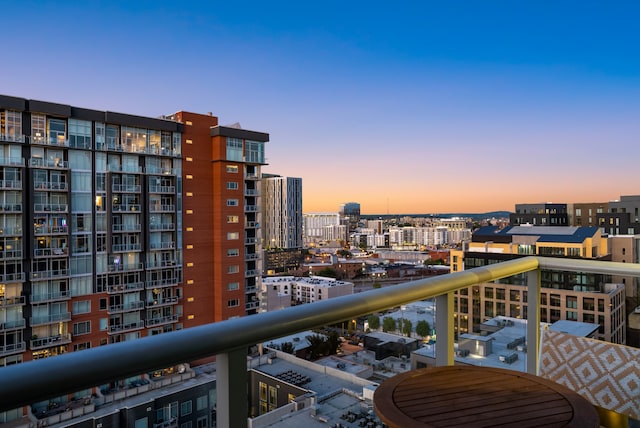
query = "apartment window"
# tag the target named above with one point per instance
(514, 295)
(103, 304)
(234, 149)
(572, 302)
(202, 403)
(578, 211)
(255, 151)
(233, 252)
(232, 169)
(232, 185)
(555, 300)
(488, 293)
(233, 286)
(588, 304)
(500, 293)
(186, 408)
(186, 425)
(202, 422)
(233, 219)
(571, 315)
(233, 269)
(233, 303)
(81, 307)
(233, 236)
(81, 346)
(232, 202)
(81, 328)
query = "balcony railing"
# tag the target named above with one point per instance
(23, 384)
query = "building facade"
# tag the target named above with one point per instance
(591, 298)
(90, 236)
(221, 220)
(543, 214)
(350, 215)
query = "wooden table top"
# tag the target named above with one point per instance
(472, 396)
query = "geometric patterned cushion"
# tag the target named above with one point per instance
(606, 374)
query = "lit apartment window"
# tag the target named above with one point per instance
(232, 202)
(190, 247)
(233, 303)
(233, 269)
(189, 212)
(233, 286)
(189, 193)
(233, 252)
(233, 236)
(189, 159)
(189, 281)
(233, 219)
(189, 141)
(189, 177)
(189, 229)
(232, 185)
(188, 122)
(232, 168)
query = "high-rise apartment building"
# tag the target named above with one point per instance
(98, 211)
(282, 212)
(281, 223)
(221, 219)
(350, 215)
(89, 228)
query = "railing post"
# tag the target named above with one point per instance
(444, 329)
(533, 320)
(231, 389)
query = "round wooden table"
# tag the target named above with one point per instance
(472, 396)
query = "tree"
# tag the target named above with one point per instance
(374, 322)
(407, 326)
(388, 324)
(317, 346)
(287, 347)
(377, 285)
(328, 272)
(344, 253)
(423, 328)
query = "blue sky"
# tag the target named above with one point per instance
(412, 106)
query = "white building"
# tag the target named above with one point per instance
(302, 289)
(323, 227)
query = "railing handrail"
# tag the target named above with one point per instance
(33, 381)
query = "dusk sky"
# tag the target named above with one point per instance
(404, 107)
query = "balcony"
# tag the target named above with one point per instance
(124, 267)
(45, 342)
(51, 186)
(124, 248)
(13, 325)
(126, 228)
(12, 277)
(229, 339)
(50, 318)
(51, 297)
(126, 207)
(11, 231)
(251, 208)
(168, 319)
(15, 161)
(123, 288)
(48, 163)
(126, 188)
(11, 208)
(162, 208)
(126, 307)
(13, 348)
(169, 245)
(162, 301)
(161, 189)
(123, 328)
(162, 226)
(12, 138)
(11, 254)
(10, 184)
(45, 208)
(12, 301)
(53, 273)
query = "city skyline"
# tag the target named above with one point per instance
(415, 108)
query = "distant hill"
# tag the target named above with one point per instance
(474, 216)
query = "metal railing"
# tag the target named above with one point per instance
(26, 383)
